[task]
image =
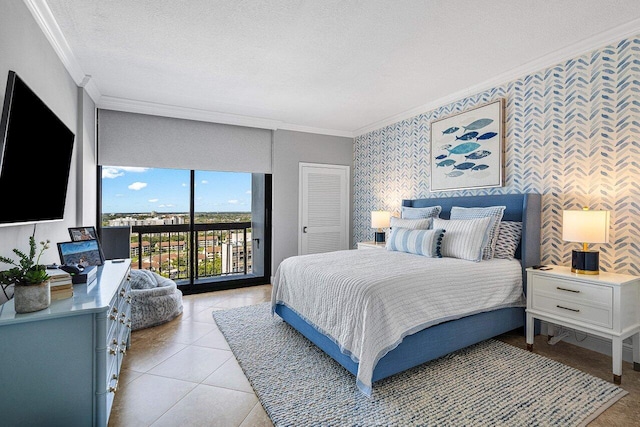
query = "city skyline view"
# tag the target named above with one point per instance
(139, 190)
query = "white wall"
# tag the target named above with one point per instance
(289, 149)
(25, 50)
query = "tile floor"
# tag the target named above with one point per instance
(182, 373)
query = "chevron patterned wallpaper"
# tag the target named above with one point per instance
(572, 134)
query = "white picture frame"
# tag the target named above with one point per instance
(467, 149)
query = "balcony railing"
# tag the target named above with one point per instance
(221, 249)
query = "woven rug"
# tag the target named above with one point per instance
(488, 384)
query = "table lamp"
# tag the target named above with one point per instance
(380, 220)
(585, 226)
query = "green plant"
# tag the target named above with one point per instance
(28, 270)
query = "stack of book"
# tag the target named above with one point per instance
(61, 284)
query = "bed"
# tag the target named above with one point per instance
(382, 272)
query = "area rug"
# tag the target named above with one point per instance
(491, 383)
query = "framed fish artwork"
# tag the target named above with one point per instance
(467, 149)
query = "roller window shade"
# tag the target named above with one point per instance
(140, 140)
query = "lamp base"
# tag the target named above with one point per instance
(379, 237)
(585, 262)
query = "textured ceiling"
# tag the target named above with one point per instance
(330, 64)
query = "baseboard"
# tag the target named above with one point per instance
(592, 342)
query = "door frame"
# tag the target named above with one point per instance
(347, 225)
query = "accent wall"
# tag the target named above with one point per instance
(572, 133)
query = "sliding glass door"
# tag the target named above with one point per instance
(205, 230)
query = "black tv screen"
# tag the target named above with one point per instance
(35, 158)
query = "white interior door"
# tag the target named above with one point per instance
(323, 208)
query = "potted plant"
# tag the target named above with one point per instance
(31, 291)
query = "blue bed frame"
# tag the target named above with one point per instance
(442, 339)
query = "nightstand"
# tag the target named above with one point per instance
(606, 305)
(371, 245)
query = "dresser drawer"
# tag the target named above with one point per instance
(595, 315)
(568, 290)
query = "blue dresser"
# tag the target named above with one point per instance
(60, 366)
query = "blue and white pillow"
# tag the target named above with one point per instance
(413, 224)
(465, 238)
(416, 213)
(494, 212)
(420, 242)
(509, 236)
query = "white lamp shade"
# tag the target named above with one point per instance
(380, 219)
(585, 226)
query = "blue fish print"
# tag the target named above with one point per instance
(467, 136)
(454, 174)
(478, 124)
(464, 148)
(444, 163)
(445, 147)
(465, 165)
(450, 130)
(478, 154)
(441, 156)
(487, 135)
(480, 167)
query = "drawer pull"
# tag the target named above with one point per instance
(113, 317)
(567, 290)
(113, 389)
(567, 308)
(113, 350)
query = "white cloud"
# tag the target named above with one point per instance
(137, 186)
(248, 192)
(184, 184)
(111, 173)
(153, 200)
(204, 181)
(232, 202)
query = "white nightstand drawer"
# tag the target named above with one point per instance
(371, 245)
(573, 291)
(595, 315)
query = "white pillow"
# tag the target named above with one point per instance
(415, 213)
(420, 242)
(495, 212)
(413, 224)
(464, 238)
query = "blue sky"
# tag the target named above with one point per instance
(167, 190)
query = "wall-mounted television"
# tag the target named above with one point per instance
(35, 158)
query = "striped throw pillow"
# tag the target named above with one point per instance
(464, 238)
(413, 224)
(420, 242)
(415, 213)
(495, 212)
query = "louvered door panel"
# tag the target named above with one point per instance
(324, 208)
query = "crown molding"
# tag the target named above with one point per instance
(605, 38)
(164, 110)
(44, 17)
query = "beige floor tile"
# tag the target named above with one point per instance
(144, 355)
(192, 364)
(187, 332)
(209, 406)
(257, 418)
(203, 315)
(229, 375)
(146, 399)
(213, 339)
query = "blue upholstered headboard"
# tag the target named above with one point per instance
(520, 207)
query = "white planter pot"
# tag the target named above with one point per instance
(29, 298)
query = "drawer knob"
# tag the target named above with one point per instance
(113, 350)
(113, 316)
(567, 290)
(567, 308)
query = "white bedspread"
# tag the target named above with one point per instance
(367, 300)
